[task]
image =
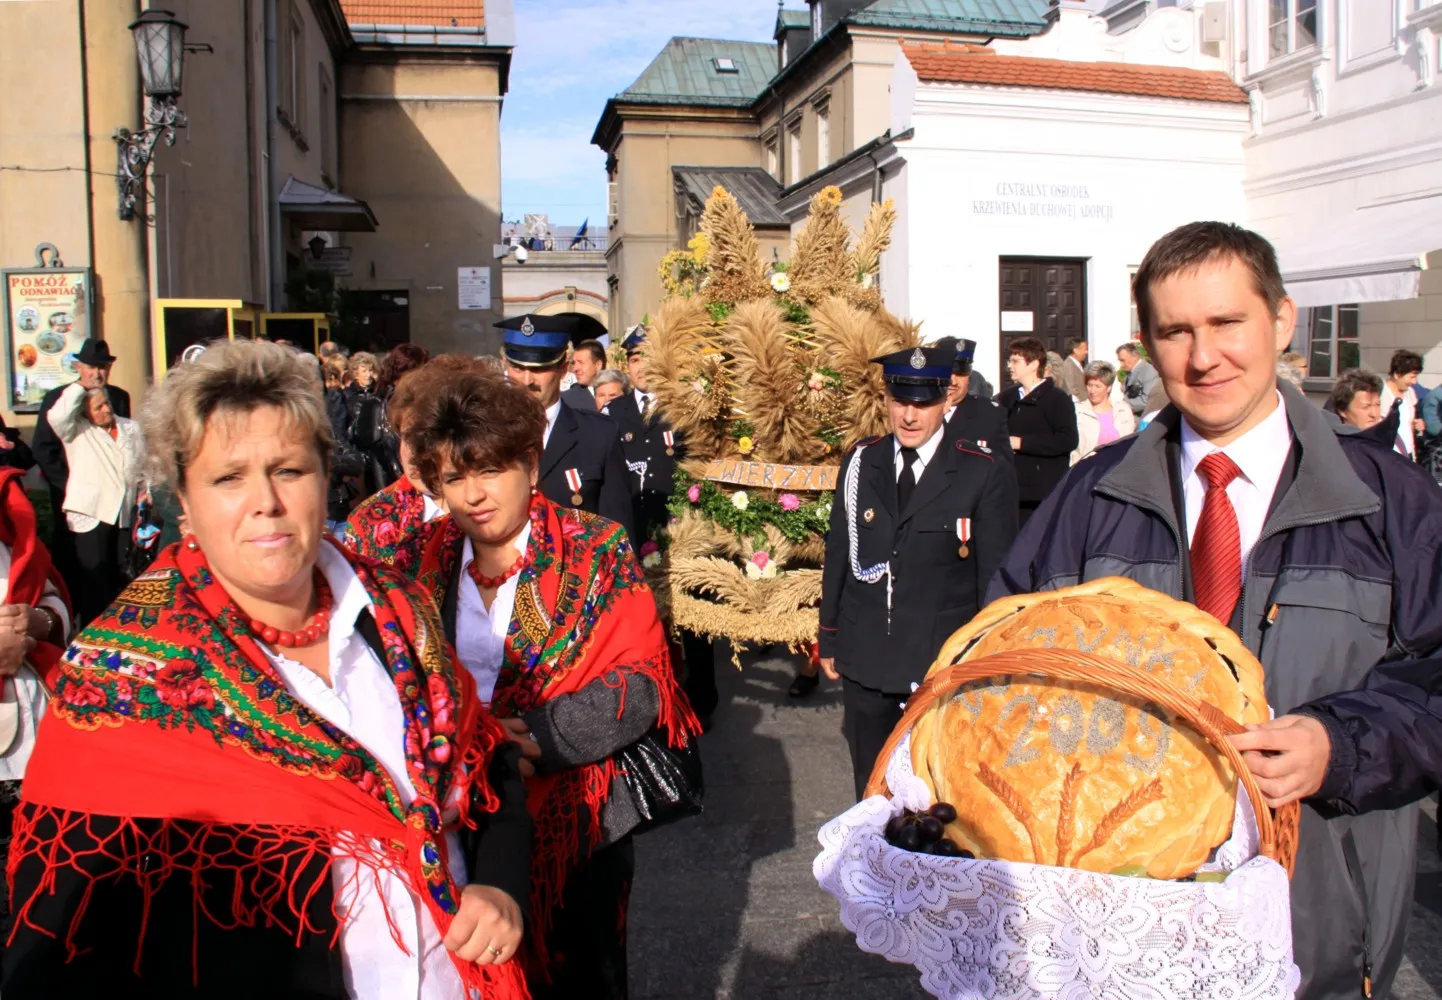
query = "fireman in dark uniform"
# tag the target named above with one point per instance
(922, 520)
(652, 449)
(581, 465)
(969, 416)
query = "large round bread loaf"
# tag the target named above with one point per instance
(1080, 775)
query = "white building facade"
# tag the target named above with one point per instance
(1344, 171)
(1031, 177)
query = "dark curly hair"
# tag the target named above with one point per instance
(398, 361)
(471, 419)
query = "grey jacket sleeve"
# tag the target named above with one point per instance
(605, 716)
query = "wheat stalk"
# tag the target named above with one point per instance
(733, 258)
(1119, 814)
(1002, 789)
(875, 237)
(1065, 819)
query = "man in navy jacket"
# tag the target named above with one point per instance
(1320, 548)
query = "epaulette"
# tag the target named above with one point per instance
(979, 448)
(868, 442)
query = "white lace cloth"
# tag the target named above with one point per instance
(995, 929)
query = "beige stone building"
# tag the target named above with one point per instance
(340, 171)
(817, 98)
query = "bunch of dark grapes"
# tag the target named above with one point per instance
(922, 832)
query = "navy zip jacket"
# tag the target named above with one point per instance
(1340, 605)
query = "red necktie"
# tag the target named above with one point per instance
(1217, 544)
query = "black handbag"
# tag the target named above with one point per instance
(664, 781)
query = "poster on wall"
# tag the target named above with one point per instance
(47, 317)
(473, 288)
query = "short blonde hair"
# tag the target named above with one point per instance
(231, 378)
(362, 359)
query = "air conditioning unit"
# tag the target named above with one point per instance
(1214, 21)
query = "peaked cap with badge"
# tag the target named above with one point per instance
(916, 375)
(532, 341)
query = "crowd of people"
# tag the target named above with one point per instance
(381, 723)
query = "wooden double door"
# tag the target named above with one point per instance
(1044, 298)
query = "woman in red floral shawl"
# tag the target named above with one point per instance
(550, 613)
(260, 775)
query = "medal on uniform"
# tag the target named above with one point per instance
(963, 535)
(573, 480)
(670, 440)
(627, 437)
(868, 515)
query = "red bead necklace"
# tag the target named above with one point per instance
(495, 582)
(314, 631)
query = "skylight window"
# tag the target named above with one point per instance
(725, 64)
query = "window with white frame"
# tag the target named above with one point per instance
(772, 156)
(1333, 343)
(823, 135)
(793, 152)
(1291, 26)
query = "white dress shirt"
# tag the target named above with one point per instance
(1260, 453)
(552, 412)
(481, 631)
(362, 701)
(641, 399)
(432, 509)
(924, 454)
(1406, 441)
(23, 697)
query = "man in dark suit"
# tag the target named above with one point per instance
(1041, 419)
(922, 520)
(582, 465)
(92, 362)
(967, 416)
(587, 361)
(652, 449)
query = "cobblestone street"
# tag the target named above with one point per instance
(725, 906)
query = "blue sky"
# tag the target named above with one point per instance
(571, 55)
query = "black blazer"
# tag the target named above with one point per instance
(579, 397)
(983, 421)
(243, 963)
(49, 450)
(588, 444)
(652, 472)
(934, 591)
(1045, 420)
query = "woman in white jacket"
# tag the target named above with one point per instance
(1101, 418)
(106, 458)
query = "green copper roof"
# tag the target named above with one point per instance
(985, 17)
(793, 18)
(686, 73)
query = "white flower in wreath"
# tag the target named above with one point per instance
(817, 382)
(651, 560)
(781, 282)
(740, 500)
(823, 512)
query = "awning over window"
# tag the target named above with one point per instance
(1373, 254)
(314, 208)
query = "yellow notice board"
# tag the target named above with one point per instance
(179, 324)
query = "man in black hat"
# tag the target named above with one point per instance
(582, 464)
(922, 520)
(968, 416)
(652, 449)
(93, 362)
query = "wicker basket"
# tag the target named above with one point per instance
(985, 929)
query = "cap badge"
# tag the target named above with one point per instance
(527, 327)
(918, 360)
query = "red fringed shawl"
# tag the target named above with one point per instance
(385, 519)
(166, 709)
(30, 565)
(583, 611)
